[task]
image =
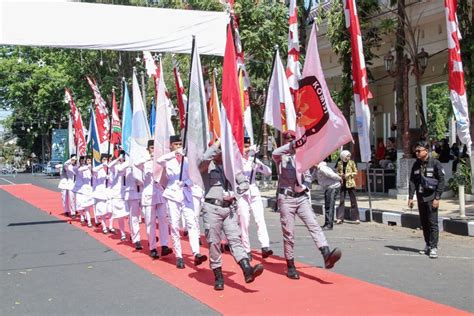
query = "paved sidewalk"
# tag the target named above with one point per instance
(389, 210)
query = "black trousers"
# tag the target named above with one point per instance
(429, 222)
(354, 212)
(329, 205)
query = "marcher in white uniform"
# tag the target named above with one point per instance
(117, 203)
(100, 192)
(251, 200)
(83, 189)
(132, 193)
(153, 204)
(179, 198)
(66, 184)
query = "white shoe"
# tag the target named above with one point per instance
(433, 253)
(425, 251)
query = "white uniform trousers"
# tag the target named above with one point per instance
(68, 201)
(133, 208)
(252, 203)
(175, 210)
(151, 212)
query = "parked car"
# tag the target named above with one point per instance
(50, 168)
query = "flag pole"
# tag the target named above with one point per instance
(260, 134)
(110, 122)
(368, 188)
(187, 109)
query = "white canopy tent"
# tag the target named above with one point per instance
(78, 25)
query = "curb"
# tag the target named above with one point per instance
(461, 227)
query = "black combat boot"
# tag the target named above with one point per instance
(266, 252)
(330, 257)
(250, 273)
(165, 250)
(292, 273)
(198, 259)
(219, 279)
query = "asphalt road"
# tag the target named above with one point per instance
(73, 274)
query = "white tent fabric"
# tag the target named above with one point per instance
(78, 25)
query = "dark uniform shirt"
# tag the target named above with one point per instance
(431, 168)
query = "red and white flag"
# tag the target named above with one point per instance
(456, 75)
(320, 126)
(293, 69)
(360, 81)
(279, 109)
(116, 136)
(79, 139)
(232, 129)
(180, 95)
(101, 115)
(213, 112)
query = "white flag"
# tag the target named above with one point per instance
(279, 109)
(140, 129)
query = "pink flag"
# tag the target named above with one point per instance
(293, 71)
(456, 75)
(79, 139)
(320, 126)
(360, 81)
(101, 114)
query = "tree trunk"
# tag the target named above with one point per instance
(399, 48)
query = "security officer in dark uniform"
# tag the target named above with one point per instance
(427, 180)
(219, 213)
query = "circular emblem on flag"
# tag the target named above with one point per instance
(311, 108)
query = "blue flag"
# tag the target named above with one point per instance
(152, 117)
(126, 120)
(95, 141)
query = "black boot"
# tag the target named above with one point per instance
(198, 259)
(154, 254)
(266, 252)
(330, 257)
(165, 250)
(219, 279)
(138, 245)
(250, 273)
(249, 254)
(292, 273)
(180, 263)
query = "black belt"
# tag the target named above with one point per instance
(291, 193)
(219, 202)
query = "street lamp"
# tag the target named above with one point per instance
(388, 61)
(423, 60)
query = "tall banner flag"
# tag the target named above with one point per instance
(293, 71)
(213, 112)
(79, 139)
(70, 137)
(95, 140)
(181, 97)
(140, 131)
(320, 126)
(116, 136)
(232, 129)
(360, 81)
(456, 75)
(165, 98)
(197, 135)
(126, 120)
(152, 117)
(248, 128)
(101, 115)
(162, 131)
(279, 108)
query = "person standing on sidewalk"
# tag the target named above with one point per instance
(294, 199)
(347, 170)
(427, 180)
(331, 182)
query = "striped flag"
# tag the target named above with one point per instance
(197, 135)
(279, 108)
(126, 119)
(232, 129)
(293, 71)
(320, 126)
(101, 115)
(456, 75)
(360, 81)
(180, 95)
(248, 128)
(213, 112)
(79, 139)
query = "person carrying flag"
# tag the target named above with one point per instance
(179, 198)
(219, 216)
(66, 184)
(83, 189)
(117, 202)
(252, 201)
(294, 199)
(100, 192)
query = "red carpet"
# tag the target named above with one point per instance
(318, 292)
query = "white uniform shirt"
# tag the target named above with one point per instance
(131, 188)
(152, 190)
(176, 190)
(116, 179)
(259, 167)
(100, 190)
(67, 180)
(83, 180)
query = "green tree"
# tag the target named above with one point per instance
(438, 110)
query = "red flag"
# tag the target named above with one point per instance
(116, 136)
(79, 139)
(293, 72)
(232, 140)
(101, 113)
(182, 99)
